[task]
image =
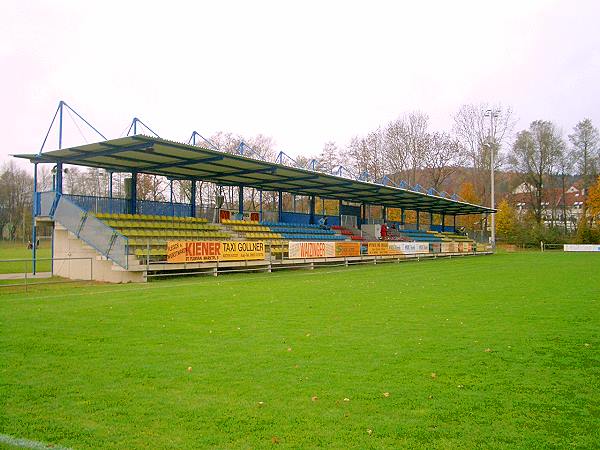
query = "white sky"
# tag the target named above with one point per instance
(302, 72)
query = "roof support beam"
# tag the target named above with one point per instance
(112, 150)
(182, 163)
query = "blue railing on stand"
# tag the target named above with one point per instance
(121, 206)
(163, 208)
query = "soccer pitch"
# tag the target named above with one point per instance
(482, 352)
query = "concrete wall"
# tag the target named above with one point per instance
(96, 267)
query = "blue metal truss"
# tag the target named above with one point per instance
(59, 112)
(192, 140)
(133, 127)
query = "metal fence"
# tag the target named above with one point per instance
(163, 208)
(279, 261)
(45, 203)
(99, 204)
(92, 231)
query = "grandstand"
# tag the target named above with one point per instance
(129, 239)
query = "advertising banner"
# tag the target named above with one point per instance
(200, 251)
(409, 248)
(397, 248)
(393, 214)
(447, 247)
(582, 248)
(311, 249)
(343, 249)
(380, 249)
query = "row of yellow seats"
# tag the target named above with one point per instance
(151, 217)
(252, 228)
(263, 235)
(275, 244)
(239, 222)
(145, 242)
(153, 252)
(177, 234)
(158, 224)
(153, 242)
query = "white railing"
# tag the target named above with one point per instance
(106, 240)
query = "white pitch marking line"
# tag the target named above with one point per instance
(28, 443)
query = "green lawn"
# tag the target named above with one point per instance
(18, 250)
(485, 352)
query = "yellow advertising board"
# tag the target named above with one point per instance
(393, 214)
(380, 249)
(200, 251)
(343, 249)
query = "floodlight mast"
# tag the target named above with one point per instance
(492, 114)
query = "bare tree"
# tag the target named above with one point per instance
(44, 178)
(586, 144)
(397, 152)
(329, 158)
(357, 155)
(473, 129)
(442, 158)
(152, 187)
(16, 188)
(416, 141)
(564, 166)
(535, 155)
(366, 155)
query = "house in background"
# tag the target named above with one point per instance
(557, 210)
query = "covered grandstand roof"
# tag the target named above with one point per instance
(183, 161)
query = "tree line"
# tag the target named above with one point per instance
(404, 152)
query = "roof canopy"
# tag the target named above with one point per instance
(156, 156)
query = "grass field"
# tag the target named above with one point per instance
(486, 352)
(18, 250)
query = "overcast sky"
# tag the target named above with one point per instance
(303, 72)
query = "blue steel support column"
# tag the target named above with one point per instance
(364, 213)
(279, 206)
(33, 228)
(384, 214)
(454, 222)
(193, 200)
(60, 124)
(431, 221)
(110, 191)
(59, 178)
(260, 209)
(241, 201)
(402, 216)
(418, 219)
(171, 199)
(340, 211)
(311, 215)
(443, 222)
(133, 199)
